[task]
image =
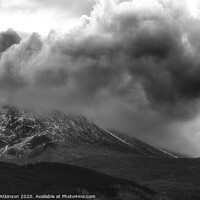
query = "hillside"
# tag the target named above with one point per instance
(45, 178)
(67, 139)
(24, 133)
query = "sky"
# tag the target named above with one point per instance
(42, 16)
(128, 65)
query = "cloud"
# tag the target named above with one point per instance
(7, 39)
(75, 7)
(129, 65)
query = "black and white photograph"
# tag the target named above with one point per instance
(100, 99)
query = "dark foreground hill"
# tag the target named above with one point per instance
(62, 179)
(178, 179)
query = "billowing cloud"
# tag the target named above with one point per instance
(129, 64)
(7, 39)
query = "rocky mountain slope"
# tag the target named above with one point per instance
(24, 134)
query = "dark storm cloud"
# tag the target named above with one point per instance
(119, 46)
(12, 63)
(7, 39)
(133, 65)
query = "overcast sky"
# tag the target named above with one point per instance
(128, 65)
(42, 16)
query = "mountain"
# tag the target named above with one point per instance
(24, 134)
(26, 137)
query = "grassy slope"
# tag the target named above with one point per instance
(177, 178)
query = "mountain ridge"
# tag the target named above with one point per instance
(24, 132)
